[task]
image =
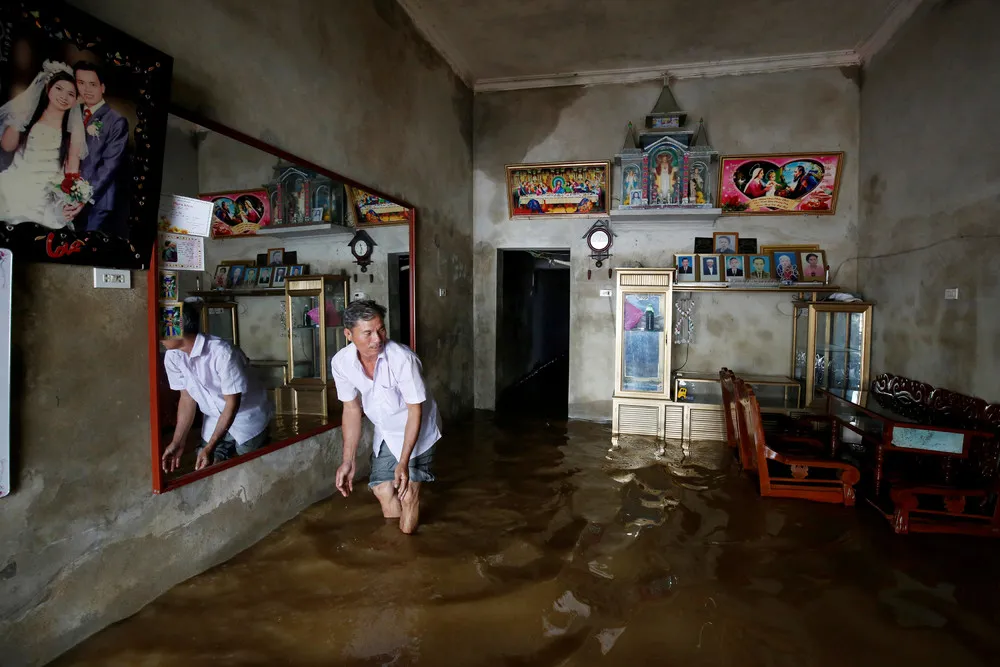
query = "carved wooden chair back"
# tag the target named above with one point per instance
(727, 381)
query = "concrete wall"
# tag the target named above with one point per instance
(83, 542)
(931, 198)
(790, 112)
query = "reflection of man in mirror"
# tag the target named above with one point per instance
(215, 377)
(382, 379)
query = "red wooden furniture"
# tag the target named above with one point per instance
(952, 488)
(784, 473)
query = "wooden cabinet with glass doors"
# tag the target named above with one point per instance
(314, 309)
(831, 346)
(643, 323)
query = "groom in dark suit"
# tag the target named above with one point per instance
(106, 164)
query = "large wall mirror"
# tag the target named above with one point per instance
(292, 244)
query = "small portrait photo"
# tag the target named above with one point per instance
(170, 320)
(760, 267)
(295, 270)
(735, 267)
(221, 276)
(709, 265)
(250, 277)
(235, 278)
(786, 266)
(275, 256)
(264, 277)
(317, 214)
(168, 286)
(278, 277)
(168, 255)
(687, 269)
(812, 266)
(725, 243)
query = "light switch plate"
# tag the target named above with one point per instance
(606, 292)
(112, 278)
(951, 293)
(442, 291)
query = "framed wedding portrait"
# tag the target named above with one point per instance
(83, 109)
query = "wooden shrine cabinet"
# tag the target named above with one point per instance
(643, 325)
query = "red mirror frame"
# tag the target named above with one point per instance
(160, 483)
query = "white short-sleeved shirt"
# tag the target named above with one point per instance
(215, 369)
(397, 381)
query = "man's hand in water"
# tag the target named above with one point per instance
(345, 478)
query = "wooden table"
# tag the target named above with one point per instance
(887, 431)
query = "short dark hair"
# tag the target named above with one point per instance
(362, 311)
(89, 67)
(811, 255)
(191, 318)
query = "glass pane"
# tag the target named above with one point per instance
(855, 342)
(785, 396)
(220, 323)
(837, 351)
(694, 391)
(306, 357)
(823, 334)
(801, 343)
(643, 319)
(335, 304)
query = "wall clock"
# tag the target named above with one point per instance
(600, 238)
(362, 246)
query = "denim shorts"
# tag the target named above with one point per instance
(228, 448)
(384, 466)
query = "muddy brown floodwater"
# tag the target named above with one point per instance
(540, 547)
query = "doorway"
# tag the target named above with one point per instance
(532, 361)
(399, 297)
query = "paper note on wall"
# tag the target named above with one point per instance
(6, 260)
(180, 252)
(184, 215)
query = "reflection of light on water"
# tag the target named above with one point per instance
(607, 638)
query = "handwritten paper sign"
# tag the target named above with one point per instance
(181, 252)
(184, 215)
(6, 260)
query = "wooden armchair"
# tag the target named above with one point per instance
(783, 473)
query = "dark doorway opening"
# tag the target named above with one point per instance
(399, 297)
(532, 369)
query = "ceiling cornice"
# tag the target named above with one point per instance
(736, 67)
(438, 40)
(898, 14)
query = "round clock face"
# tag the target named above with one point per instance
(599, 240)
(361, 248)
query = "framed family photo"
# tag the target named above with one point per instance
(708, 269)
(725, 243)
(760, 267)
(83, 110)
(264, 276)
(687, 268)
(786, 266)
(736, 267)
(812, 265)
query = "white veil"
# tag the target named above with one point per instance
(18, 111)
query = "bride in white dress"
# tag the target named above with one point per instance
(43, 128)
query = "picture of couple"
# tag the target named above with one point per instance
(83, 119)
(63, 153)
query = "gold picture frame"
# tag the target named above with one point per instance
(559, 190)
(794, 247)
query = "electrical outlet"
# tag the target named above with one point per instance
(951, 294)
(442, 291)
(607, 292)
(112, 279)
(358, 296)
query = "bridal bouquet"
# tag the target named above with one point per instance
(71, 189)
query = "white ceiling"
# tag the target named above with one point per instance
(504, 43)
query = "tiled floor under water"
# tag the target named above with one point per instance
(540, 547)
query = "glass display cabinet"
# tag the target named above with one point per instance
(773, 391)
(643, 324)
(831, 346)
(220, 319)
(314, 307)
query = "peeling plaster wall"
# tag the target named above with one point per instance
(83, 541)
(931, 198)
(813, 110)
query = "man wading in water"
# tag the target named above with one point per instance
(382, 379)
